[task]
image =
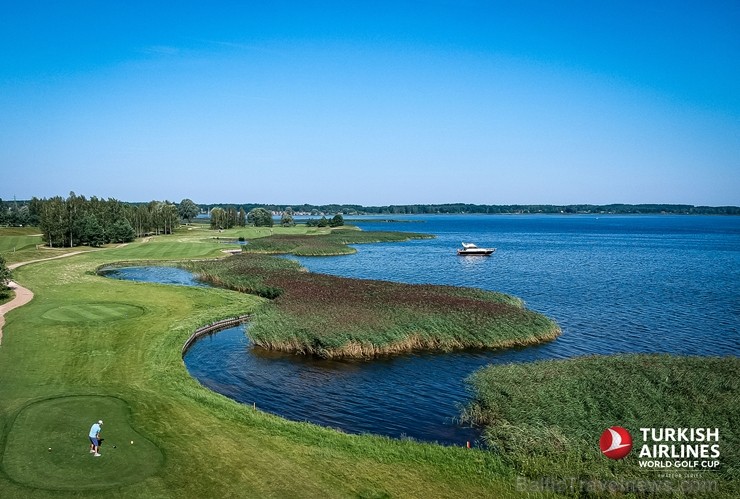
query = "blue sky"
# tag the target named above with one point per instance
(372, 102)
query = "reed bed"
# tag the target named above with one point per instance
(334, 317)
(545, 418)
(330, 244)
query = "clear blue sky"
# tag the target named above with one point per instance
(372, 102)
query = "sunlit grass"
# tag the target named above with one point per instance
(11, 243)
(191, 241)
(136, 360)
(545, 418)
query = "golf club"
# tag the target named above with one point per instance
(110, 444)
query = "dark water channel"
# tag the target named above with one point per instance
(162, 275)
(414, 396)
(409, 396)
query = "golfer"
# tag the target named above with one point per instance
(95, 438)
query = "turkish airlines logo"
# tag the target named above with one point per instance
(615, 442)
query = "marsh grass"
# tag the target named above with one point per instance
(545, 418)
(334, 317)
(325, 244)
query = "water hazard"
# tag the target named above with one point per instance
(162, 275)
(614, 284)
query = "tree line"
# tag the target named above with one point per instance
(226, 218)
(336, 221)
(459, 208)
(77, 220)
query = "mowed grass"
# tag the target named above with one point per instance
(167, 248)
(15, 242)
(196, 241)
(18, 231)
(212, 446)
(334, 316)
(56, 454)
(546, 418)
(9, 244)
(98, 312)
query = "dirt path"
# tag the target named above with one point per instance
(23, 295)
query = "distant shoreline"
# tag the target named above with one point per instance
(383, 218)
(508, 209)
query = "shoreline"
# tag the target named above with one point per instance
(411, 345)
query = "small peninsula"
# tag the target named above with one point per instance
(337, 317)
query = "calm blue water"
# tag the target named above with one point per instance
(163, 275)
(613, 283)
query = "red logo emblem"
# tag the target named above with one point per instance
(615, 442)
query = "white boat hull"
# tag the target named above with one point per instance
(476, 252)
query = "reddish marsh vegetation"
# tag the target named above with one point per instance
(340, 317)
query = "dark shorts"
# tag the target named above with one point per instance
(94, 441)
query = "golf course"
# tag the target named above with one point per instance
(87, 347)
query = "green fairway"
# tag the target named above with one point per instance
(93, 312)
(17, 239)
(48, 448)
(20, 244)
(167, 249)
(17, 243)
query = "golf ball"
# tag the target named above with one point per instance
(49, 449)
(132, 442)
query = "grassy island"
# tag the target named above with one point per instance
(325, 244)
(545, 418)
(335, 317)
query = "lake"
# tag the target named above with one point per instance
(613, 283)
